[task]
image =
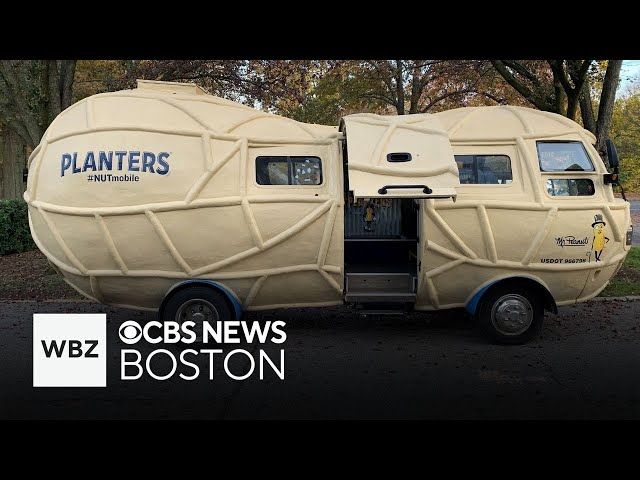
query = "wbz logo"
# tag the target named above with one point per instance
(69, 350)
(74, 350)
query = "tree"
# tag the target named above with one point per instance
(13, 158)
(600, 126)
(320, 91)
(419, 86)
(625, 127)
(317, 91)
(98, 76)
(262, 83)
(564, 86)
(331, 96)
(625, 132)
(33, 93)
(347, 86)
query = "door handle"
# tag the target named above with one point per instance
(425, 189)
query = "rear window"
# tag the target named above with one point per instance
(563, 157)
(484, 169)
(285, 170)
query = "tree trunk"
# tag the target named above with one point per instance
(559, 98)
(586, 108)
(12, 163)
(399, 87)
(415, 88)
(607, 100)
(34, 92)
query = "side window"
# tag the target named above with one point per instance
(284, 170)
(570, 156)
(484, 169)
(306, 171)
(570, 187)
(272, 171)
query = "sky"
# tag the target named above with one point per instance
(630, 70)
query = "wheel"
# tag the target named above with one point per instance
(197, 303)
(510, 315)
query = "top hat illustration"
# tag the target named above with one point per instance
(598, 219)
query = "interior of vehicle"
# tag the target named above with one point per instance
(380, 256)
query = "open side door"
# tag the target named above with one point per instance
(404, 156)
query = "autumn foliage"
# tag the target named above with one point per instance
(33, 92)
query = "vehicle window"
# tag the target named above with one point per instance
(306, 171)
(484, 169)
(570, 187)
(285, 170)
(563, 157)
(272, 170)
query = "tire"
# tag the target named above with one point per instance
(196, 303)
(510, 315)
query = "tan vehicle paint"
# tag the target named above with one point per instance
(183, 203)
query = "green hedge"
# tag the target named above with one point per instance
(630, 173)
(14, 227)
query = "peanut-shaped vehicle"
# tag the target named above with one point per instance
(165, 198)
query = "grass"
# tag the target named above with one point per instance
(627, 281)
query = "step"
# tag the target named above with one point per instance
(368, 296)
(396, 282)
(381, 312)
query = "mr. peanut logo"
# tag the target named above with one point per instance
(599, 238)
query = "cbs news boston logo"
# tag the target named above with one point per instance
(70, 350)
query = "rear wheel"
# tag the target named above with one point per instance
(197, 304)
(509, 315)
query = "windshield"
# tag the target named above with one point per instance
(563, 157)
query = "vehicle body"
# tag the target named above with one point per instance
(267, 212)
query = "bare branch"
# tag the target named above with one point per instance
(444, 96)
(8, 118)
(557, 67)
(519, 68)
(520, 87)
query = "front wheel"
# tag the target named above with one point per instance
(510, 315)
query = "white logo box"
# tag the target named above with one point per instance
(77, 347)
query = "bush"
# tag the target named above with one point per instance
(630, 173)
(15, 235)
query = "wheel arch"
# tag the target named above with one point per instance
(232, 300)
(548, 302)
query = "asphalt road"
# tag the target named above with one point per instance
(585, 365)
(635, 218)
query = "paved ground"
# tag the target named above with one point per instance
(635, 218)
(585, 365)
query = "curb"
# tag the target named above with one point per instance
(60, 300)
(75, 300)
(628, 298)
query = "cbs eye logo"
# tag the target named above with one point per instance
(130, 332)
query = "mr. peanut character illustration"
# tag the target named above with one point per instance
(369, 217)
(599, 239)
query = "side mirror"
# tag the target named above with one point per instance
(612, 155)
(614, 163)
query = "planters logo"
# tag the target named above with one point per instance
(115, 161)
